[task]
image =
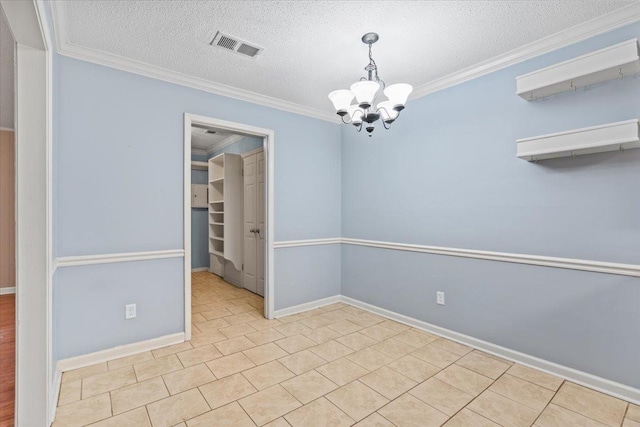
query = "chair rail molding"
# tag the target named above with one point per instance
(72, 261)
(543, 261)
(307, 242)
(539, 260)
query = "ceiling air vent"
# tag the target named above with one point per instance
(225, 41)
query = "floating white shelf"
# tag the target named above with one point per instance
(199, 165)
(217, 180)
(610, 63)
(595, 139)
(216, 201)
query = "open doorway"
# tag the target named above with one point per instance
(228, 220)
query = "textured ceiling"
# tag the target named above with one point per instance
(311, 48)
(6, 74)
(206, 141)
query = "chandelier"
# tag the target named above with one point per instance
(366, 93)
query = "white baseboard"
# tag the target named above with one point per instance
(306, 306)
(588, 380)
(7, 291)
(118, 352)
(53, 395)
(196, 270)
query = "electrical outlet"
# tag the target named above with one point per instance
(440, 297)
(129, 311)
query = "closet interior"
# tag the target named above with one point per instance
(228, 207)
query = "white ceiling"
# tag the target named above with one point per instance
(312, 48)
(6, 74)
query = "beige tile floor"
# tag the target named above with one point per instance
(334, 366)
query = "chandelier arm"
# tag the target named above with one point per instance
(347, 122)
(385, 125)
(359, 127)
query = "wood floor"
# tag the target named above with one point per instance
(7, 358)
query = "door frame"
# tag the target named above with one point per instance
(268, 145)
(35, 388)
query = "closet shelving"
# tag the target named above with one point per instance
(199, 165)
(225, 207)
(610, 63)
(595, 139)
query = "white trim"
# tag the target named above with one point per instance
(8, 291)
(268, 136)
(186, 222)
(542, 261)
(7, 129)
(117, 352)
(71, 261)
(54, 394)
(198, 152)
(556, 262)
(602, 24)
(601, 384)
(307, 306)
(121, 63)
(197, 270)
(307, 242)
(33, 137)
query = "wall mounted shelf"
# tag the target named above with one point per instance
(595, 139)
(610, 63)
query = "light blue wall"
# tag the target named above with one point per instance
(129, 197)
(89, 304)
(199, 227)
(315, 267)
(446, 174)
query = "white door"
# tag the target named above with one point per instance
(261, 225)
(249, 279)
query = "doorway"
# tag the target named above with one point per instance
(238, 212)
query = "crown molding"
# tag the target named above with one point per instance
(66, 48)
(602, 24)
(199, 152)
(232, 139)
